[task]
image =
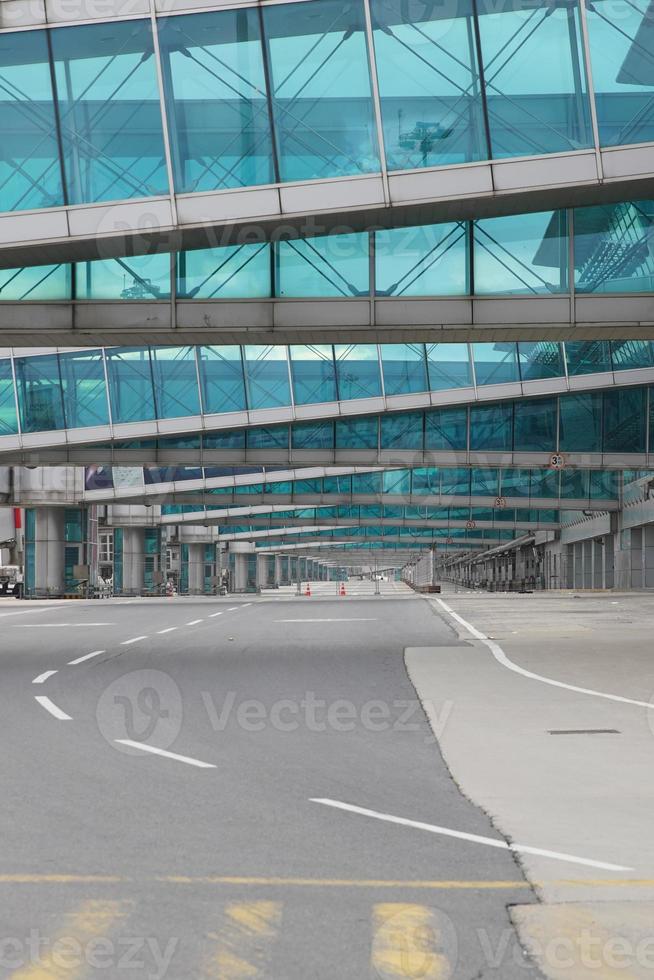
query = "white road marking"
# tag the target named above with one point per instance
(194, 622)
(211, 616)
(134, 639)
(168, 630)
(472, 838)
(502, 659)
(42, 678)
(245, 605)
(166, 755)
(87, 656)
(348, 620)
(52, 708)
(36, 611)
(52, 626)
(232, 608)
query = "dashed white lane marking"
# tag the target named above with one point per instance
(168, 630)
(165, 754)
(502, 659)
(52, 626)
(35, 612)
(43, 677)
(211, 616)
(345, 620)
(134, 639)
(232, 608)
(87, 656)
(245, 605)
(194, 622)
(52, 708)
(472, 838)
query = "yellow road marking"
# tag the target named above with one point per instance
(407, 943)
(81, 879)
(92, 920)
(244, 941)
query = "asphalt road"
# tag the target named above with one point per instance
(214, 860)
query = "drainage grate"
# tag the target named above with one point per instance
(583, 731)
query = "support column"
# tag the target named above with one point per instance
(196, 568)
(133, 560)
(262, 572)
(609, 561)
(598, 563)
(636, 557)
(241, 552)
(648, 533)
(44, 551)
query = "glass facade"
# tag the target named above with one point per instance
(254, 98)
(516, 255)
(69, 389)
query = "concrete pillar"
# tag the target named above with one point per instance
(588, 564)
(241, 550)
(133, 563)
(45, 570)
(278, 570)
(609, 561)
(262, 571)
(598, 563)
(195, 569)
(648, 534)
(636, 557)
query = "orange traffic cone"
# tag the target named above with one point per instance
(308, 592)
(342, 590)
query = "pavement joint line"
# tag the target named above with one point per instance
(87, 656)
(169, 629)
(52, 708)
(144, 747)
(42, 678)
(471, 838)
(504, 661)
(134, 639)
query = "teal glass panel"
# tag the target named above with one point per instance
(337, 484)
(484, 482)
(397, 481)
(175, 382)
(367, 483)
(402, 431)
(448, 366)
(110, 111)
(428, 82)
(625, 420)
(39, 393)
(521, 254)
(313, 435)
(84, 388)
(268, 437)
(491, 427)
(588, 357)
(544, 483)
(446, 428)
(138, 277)
(543, 359)
(404, 367)
(233, 272)
(356, 433)
(580, 422)
(535, 424)
(43, 282)
(612, 248)
(515, 483)
(357, 371)
(628, 354)
(330, 265)
(496, 363)
(536, 88)
(313, 373)
(575, 485)
(620, 34)
(215, 88)
(603, 484)
(8, 417)
(30, 172)
(73, 524)
(455, 482)
(221, 378)
(425, 260)
(266, 372)
(130, 384)
(321, 99)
